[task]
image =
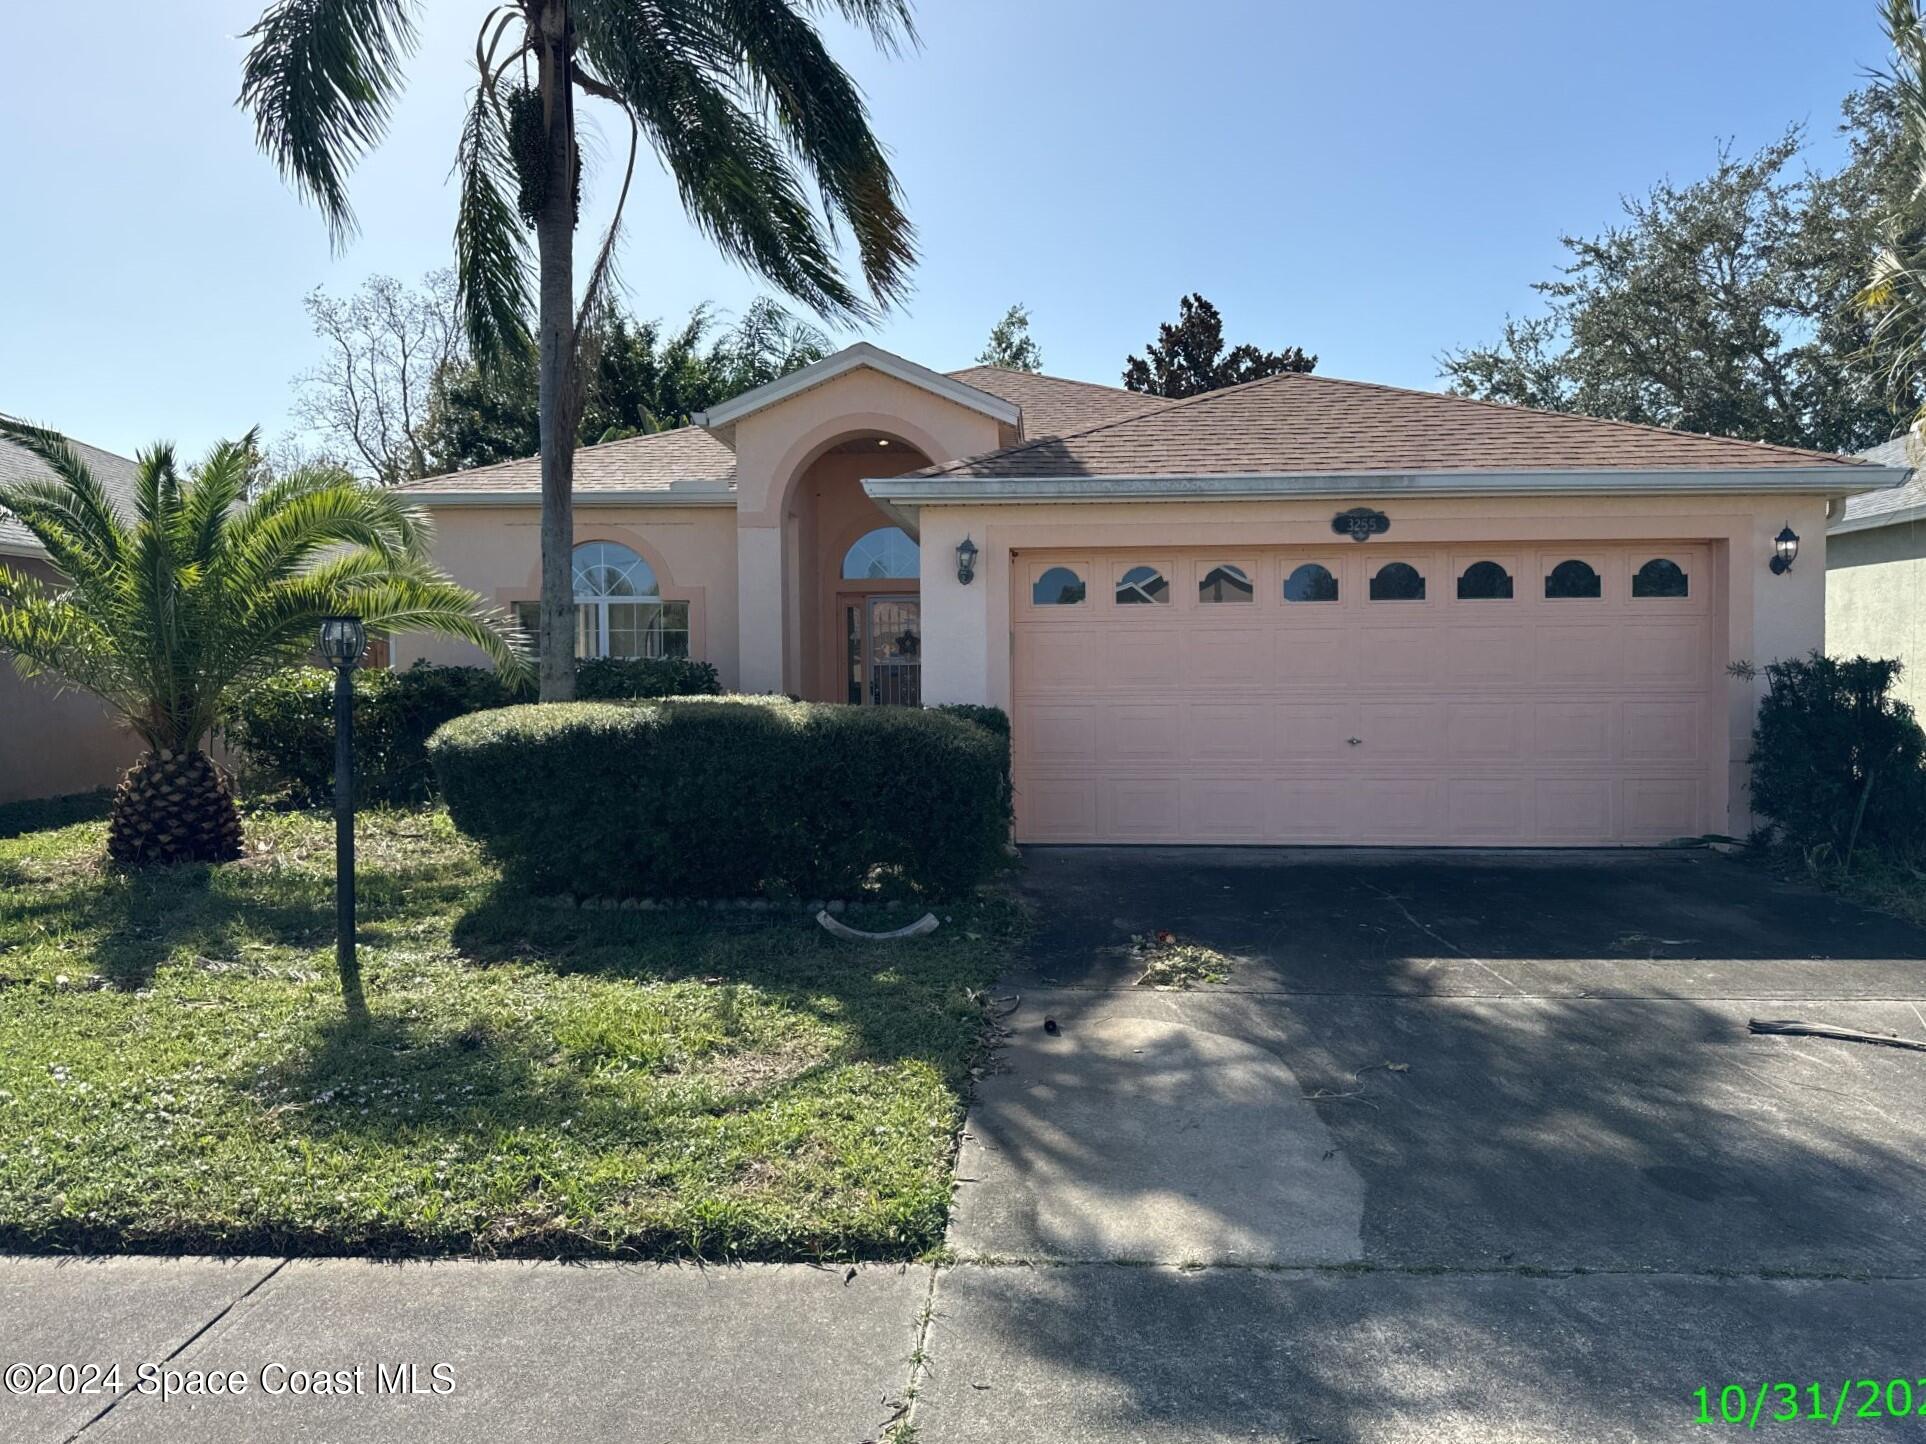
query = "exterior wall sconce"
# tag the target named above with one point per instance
(965, 561)
(1785, 547)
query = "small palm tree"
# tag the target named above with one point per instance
(1894, 297)
(741, 100)
(170, 614)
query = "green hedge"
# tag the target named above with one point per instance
(1839, 763)
(284, 728)
(729, 797)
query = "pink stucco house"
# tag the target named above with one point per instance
(1303, 610)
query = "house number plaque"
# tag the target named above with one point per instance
(1360, 523)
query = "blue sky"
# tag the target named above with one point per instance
(1376, 183)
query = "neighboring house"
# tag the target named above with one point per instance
(54, 741)
(1528, 645)
(1876, 574)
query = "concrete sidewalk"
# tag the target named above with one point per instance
(334, 1350)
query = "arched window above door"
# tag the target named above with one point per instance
(886, 554)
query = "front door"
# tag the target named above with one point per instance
(883, 642)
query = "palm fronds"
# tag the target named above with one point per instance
(321, 79)
(166, 614)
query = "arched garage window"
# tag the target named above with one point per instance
(619, 610)
(884, 554)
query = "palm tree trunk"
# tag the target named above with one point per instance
(555, 247)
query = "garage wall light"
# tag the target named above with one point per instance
(965, 561)
(1785, 548)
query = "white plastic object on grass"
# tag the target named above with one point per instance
(832, 924)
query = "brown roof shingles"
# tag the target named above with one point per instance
(640, 463)
(1317, 424)
(1055, 405)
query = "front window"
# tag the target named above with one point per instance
(619, 610)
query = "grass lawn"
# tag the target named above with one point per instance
(175, 1074)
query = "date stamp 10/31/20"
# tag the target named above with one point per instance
(1828, 1405)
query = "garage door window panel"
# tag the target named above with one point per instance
(1397, 582)
(1573, 580)
(1661, 577)
(1222, 582)
(1311, 582)
(1142, 584)
(1058, 585)
(1485, 581)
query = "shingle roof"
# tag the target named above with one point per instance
(1052, 405)
(1304, 423)
(640, 463)
(1868, 509)
(115, 473)
(1056, 405)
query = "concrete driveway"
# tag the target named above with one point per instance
(1472, 1146)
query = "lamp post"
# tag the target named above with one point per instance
(342, 641)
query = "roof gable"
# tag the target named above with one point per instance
(722, 420)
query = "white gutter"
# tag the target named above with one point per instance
(582, 498)
(912, 491)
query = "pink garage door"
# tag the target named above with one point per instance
(1366, 693)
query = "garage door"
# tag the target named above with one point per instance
(1366, 694)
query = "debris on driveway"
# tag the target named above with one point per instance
(1169, 963)
(1792, 1027)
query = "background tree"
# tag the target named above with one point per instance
(637, 378)
(1723, 306)
(1011, 346)
(1189, 358)
(169, 614)
(1892, 303)
(766, 136)
(382, 349)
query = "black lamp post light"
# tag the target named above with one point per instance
(1785, 549)
(342, 641)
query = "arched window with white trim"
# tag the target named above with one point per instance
(619, 609)
(886, 554)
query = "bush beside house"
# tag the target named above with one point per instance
(1839, 763)
(729, 797)
(284, 728)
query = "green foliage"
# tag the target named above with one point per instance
(1724, 306)
(1011, 345)
(728, 798)
(614, 679)
(172, 613)
(1893, 300)
(1189, 358)
(994, 718)
(637, 379)
(1831, 738)
(285, 726)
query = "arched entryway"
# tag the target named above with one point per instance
(858, 580)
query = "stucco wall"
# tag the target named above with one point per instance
(1876, 600)
(496, 551)
(966, 630)
(775, 447)
(54, 742)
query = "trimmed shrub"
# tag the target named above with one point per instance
(994, 718)
(1831, 738)
(727, 797)
(285, 726)
(615, 678)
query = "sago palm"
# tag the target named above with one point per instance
(766, 137)
(168, 614)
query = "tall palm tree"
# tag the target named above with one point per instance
(168, 615)
(740, 99)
